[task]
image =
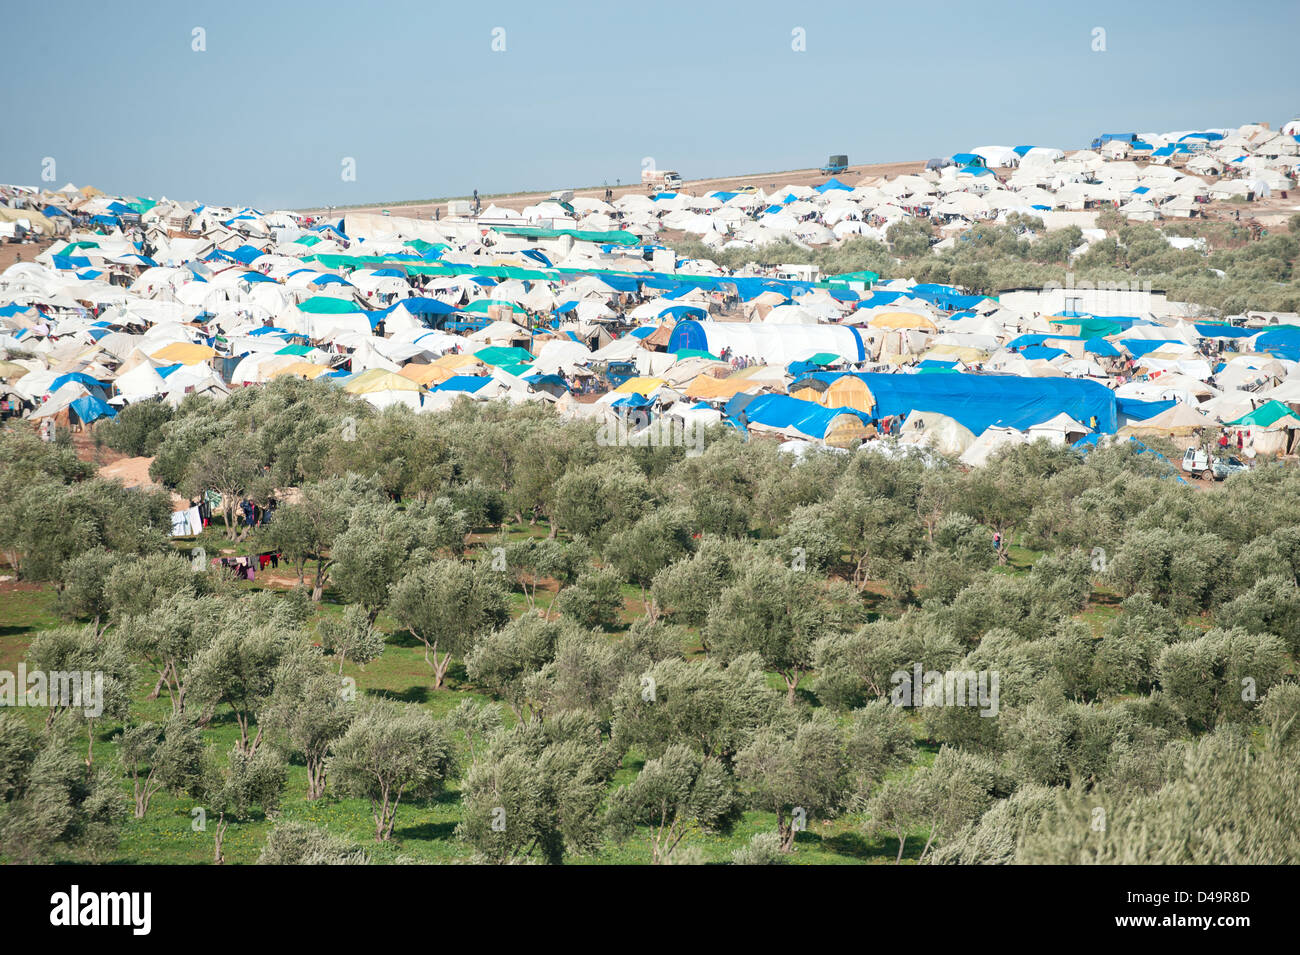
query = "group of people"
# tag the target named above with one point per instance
(1225, 442)
(738, 362)
(246, 567)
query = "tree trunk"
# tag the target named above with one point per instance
(791, 684)
(316, 775)
(218, 835)
(141, 794)
(440, 668)
(785, 831)
(162, 678)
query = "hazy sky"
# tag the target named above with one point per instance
(416, 95)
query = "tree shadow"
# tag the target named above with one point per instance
(403, 638)
(426, 831)
(412, 694)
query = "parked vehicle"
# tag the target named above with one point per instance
(656, 179)
(616, 373)
(1198, 463)
(836, 164)
(1105, 138)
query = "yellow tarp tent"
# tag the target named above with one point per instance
(426, 375)
(900, 320)
(184, 352)
(846, 391)
(454, 361)
(707, 387)
(956, 352)
(640, 386)
(378, 379)
(303, 369)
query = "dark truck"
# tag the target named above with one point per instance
(615, 373)
(836, 164)
(1105, 138)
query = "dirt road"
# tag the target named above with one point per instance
(767, 181)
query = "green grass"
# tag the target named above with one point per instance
(425, 830)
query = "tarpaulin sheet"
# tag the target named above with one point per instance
(806, 417)
(981, 401)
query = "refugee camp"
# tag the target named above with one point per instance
(583, 509)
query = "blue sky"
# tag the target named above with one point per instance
(416, 95)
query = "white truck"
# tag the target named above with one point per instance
(655, 179)
(1198, 463)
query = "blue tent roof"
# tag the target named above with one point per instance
(89, 408)
(1137, 410)
(77, 376)
(545, 380)
(1035, 339)
(979, 401)
(1101, 347)
(1041, 351)
(246, 254)
(677, 311)
(1224, 331)
(831, 184)
(944, 296)
(1282, 342)
(806, 417)
(421, 306)
(465, 383)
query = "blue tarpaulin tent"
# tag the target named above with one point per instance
(1132, 409)
(833, 184)
(466, 383)
(1035, 339)
(77, 376)
(1224, 331)
(1041, 351)
(89, 408)
(980, 401)
(806, 417)
(1101, 347)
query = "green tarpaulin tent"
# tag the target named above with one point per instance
(501, 356)
(581, 235)
(1265, 415)
(325, 305)
(1089, 327)
(695, 353)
